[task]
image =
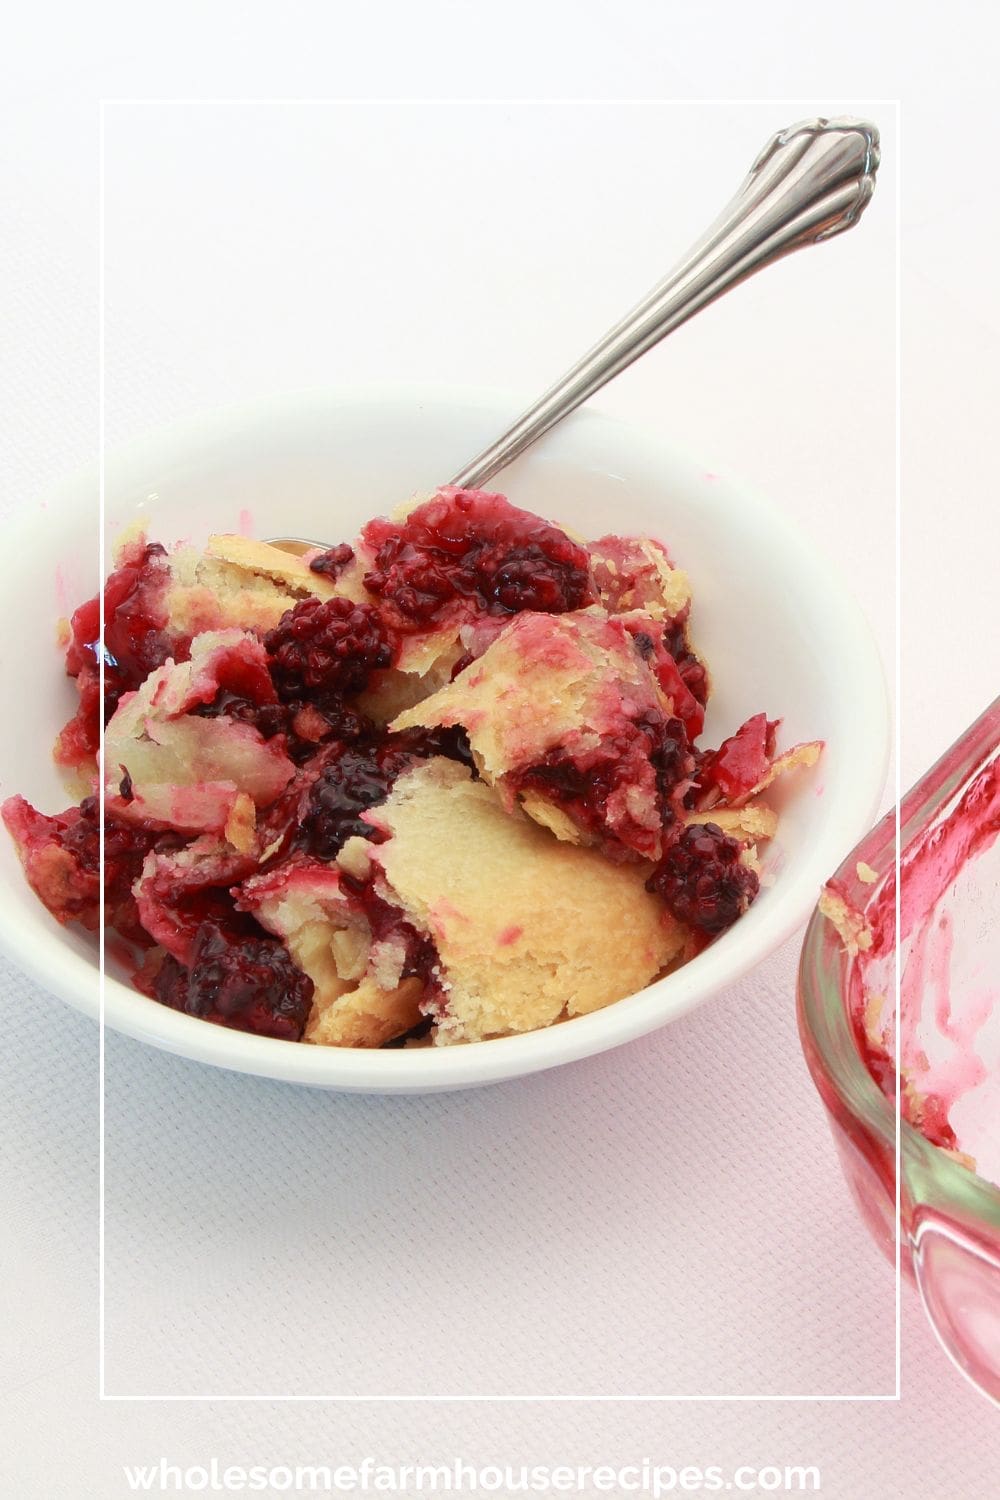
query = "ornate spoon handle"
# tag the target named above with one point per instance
(810, 182)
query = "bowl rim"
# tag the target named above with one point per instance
(426, 1069)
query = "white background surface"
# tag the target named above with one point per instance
(681, 1196)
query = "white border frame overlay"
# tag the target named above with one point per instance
(446, 1397)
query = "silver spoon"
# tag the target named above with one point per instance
(809, 183)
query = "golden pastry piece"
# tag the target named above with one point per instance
(528, 930)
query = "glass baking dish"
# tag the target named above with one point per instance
(947, 946)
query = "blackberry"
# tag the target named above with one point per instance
(702, 880)
(467, 544)
(332, 562)
(360, 777)
(242, 981)
(326, 648)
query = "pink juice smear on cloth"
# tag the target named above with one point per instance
(949, 1004)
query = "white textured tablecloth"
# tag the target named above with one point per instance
(666, 1218)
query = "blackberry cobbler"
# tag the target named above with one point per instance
(438, 785)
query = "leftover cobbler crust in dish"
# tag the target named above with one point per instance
(438, 785)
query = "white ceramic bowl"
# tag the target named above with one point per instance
(779, 627)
